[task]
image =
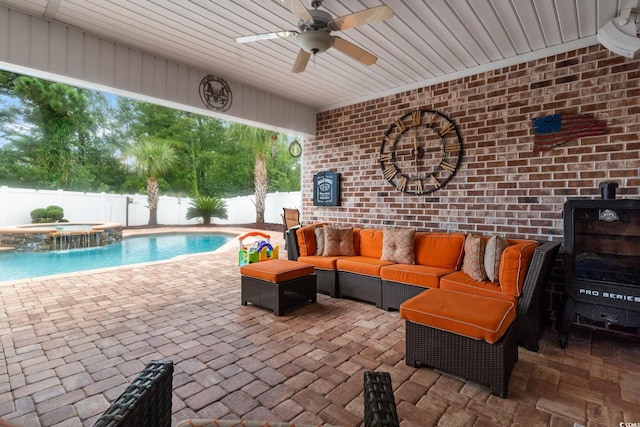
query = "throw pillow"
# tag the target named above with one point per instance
(338, 241)
(397, 245)
(492, 255)
(473, 263)
(319, 240)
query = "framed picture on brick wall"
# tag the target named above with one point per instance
(326, 189)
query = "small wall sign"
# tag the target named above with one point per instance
(215, 93)
(326, 189)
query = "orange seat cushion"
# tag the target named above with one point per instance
(416, 275)
(277, 270)
(460, 281)
(472, 316)
(322, 262)
(362, 265)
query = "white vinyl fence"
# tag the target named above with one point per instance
(16, 205)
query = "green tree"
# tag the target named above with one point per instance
(60, 143)
(154, 158)
(194, 136)
(76, 139)
(258, 141)
(284, 170)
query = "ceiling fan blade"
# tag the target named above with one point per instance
(266, 36)
(367, 16)
(301, 61)
(298, 9)
(354, 51)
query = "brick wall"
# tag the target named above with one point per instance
(502, 185)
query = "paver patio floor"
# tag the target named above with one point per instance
(72, 343)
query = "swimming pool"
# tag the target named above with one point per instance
(131, 250)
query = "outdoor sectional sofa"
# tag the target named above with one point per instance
(438, 257)
(468, 301)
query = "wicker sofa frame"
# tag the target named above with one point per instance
(393, 294)
(531, 318)
(327, 282)
(146, 402)
(360, 287)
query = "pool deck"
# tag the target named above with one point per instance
(71, 343)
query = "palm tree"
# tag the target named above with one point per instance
(206, 207)
(153, 158)
(258, 141)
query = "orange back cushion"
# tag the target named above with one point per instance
(307, 239)
(371, 242)
(444, 250)
(514, 265)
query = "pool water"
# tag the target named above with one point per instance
(131, 250)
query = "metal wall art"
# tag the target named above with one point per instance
(215, 93)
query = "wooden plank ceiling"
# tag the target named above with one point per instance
(426, 41)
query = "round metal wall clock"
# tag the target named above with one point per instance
(215, 93)
(295, 149)
(421, 152)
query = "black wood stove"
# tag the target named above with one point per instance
(601, 261)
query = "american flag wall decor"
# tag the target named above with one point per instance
(555, 129)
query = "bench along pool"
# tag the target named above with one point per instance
(131, 250)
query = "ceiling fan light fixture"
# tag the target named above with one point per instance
(620, 35)
(314, 41)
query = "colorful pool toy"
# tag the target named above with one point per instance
(257, 250)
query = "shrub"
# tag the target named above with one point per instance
(206, 207)
(49, 214)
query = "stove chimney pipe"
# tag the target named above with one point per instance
(608, 190)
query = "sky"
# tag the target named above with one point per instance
(6, 101)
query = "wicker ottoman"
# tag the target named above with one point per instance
(278, 284)
(472, 336)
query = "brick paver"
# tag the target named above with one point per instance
(71, 344)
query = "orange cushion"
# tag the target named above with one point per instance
(469, 315)
(416, 275)
(371, 242)
(277, 270)
(443, 250)
(515, 265)
(307, 239)
(461, 282)
(322, 262)
(361, 265)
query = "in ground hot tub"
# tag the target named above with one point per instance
(60, 236)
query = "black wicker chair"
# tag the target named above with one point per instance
(379, 403)
(146, 402)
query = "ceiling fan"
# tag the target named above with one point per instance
(314, 32)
